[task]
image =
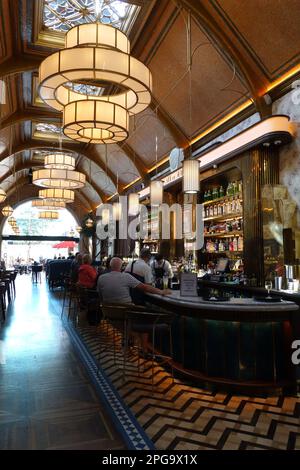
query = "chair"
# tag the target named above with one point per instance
(147, 324)
(2, 300)
(36, 273)
(135, 321)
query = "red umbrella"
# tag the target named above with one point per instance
(65, 244)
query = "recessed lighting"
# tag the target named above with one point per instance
(266, 144)
(278, 142)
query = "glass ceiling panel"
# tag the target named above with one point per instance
(61, 15)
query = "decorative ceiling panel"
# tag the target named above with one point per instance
(268, 29)
(149, 138)
(97, 175)
(198, 98)
(118, 162)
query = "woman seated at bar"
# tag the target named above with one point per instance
(76, 263)
(115, 286)
(161, 269)
(87, 274)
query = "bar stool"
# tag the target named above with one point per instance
(147, 323)
(36, 273)
(2, 300)
(135, 321)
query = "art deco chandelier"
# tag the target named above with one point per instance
(96, 57)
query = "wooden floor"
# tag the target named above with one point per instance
(46, 399)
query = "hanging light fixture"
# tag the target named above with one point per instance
(7, 211)
(89, 223)
(51, 215)
(54, 178)
(105, 216)
(48, 204)
(133, 204)
(117, 211)
(60, 195)
(156, 193)
(95, 53)
(60, 161)
(12, 221)
(191, 181)
(2, 195)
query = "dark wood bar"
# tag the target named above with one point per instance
(241, 344)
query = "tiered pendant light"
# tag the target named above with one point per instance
(54, 178)
(2, 195)
(51, 215)
(60, 161)
(60, 195)
(95, 53)
(191, 184)
(7, 211)
(48, 204)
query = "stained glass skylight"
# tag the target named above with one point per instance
(61, 15)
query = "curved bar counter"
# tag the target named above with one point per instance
(240, 343)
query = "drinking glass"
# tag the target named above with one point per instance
(166, 282)
(268, 286)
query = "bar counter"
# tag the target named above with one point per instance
(240, 344)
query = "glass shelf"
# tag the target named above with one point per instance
(232, 216)
(222, 199)
(224, 234)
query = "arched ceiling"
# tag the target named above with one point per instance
(212, 61)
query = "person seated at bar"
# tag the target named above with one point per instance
(87, 274)
(161, 268)
(141, 270)
(75, 267)
(115, 286)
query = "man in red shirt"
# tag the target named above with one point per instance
(87, 275)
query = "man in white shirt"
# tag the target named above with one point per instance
(114, 287)
(140, 268)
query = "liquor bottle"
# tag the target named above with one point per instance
(209, 195)
(215, 210)
(230, 244)
(240, 186)
(220, 209)
(237, 204)
(228, 190)
(221, 246)
(211, 211)
(221, 191)
(233, 205)
(234, 188)
(240, 244)
(206, 211)
(235, 244)
(216, 246)
(205, 197)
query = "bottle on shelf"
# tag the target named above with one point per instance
(234, 188)
(220, 209)
(235, 244)
(209, 195)
(215, 210)
(240, 186)
(211, 211)
(240, 246)
(221, 191)
(230, 245)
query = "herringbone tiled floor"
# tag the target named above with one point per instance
(184, 417)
